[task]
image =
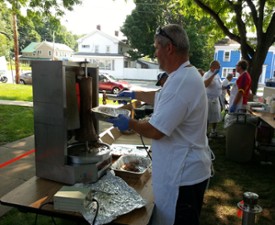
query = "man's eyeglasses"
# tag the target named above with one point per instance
(161, 32)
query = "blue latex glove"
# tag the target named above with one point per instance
(128, 94)
(121, 122)
(232, 108)
(216, 71)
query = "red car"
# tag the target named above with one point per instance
(110, 84)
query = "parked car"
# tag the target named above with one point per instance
(26, 78)
(110, 84)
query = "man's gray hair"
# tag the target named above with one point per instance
(178, 35)
(230, 75)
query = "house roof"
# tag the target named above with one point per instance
(115, 39)
(57, 46)
(229, 43)
(226, 42)
(31, 47)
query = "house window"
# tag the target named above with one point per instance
(104, 64)
(108, 49)
(50, 53)
(85, 46)
(96, 48)
(229, 70)
(34, 53)
(226, 56)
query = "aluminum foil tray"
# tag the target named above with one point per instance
(131, 165)
(105, 112)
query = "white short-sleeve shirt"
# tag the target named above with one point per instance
(214, 89)
(180, 113)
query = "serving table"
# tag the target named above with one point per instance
(267, 117)
(35, 194)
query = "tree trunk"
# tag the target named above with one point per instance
(256, 64)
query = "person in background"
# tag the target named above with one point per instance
(145, 96)
(162, 77)
(201, 71)
(213, 86)
(234, 74)
(241, 89)
(181, 157)
(226, 85)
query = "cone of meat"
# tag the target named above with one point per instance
(87, 130)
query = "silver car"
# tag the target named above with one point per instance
(26, 78)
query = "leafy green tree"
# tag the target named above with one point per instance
(140, 27)
(27, 32)
(236, 19)
(201, 43)
(5, 31)
(50, 29)
(44, 7)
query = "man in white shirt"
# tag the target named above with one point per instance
(213, 86)
(181, 158)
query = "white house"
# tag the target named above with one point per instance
(107, 51)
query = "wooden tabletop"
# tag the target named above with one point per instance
(266, 116)
(33, 195)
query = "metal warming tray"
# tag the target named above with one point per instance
(106, 112)
(131, 166)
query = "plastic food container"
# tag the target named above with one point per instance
(132, 166)
(105, 112)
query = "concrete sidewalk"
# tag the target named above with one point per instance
(14, 169)
(20, 103)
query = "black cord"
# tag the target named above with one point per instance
(53, 220)
(96, 212)
(36, 216)
(141, 138)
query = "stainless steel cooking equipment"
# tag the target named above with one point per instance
(66, 132)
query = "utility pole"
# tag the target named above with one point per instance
(16, 47)
(53, 45)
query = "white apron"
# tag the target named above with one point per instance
(233, 94)
(166, 179)
(165, 195)
(185, 163)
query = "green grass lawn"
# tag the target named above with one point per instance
(17, 92)
(225, 190)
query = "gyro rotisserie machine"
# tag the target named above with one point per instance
(67, 146)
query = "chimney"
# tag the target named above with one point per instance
(98, 27)
(116, 33)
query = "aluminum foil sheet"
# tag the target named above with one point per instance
(106, 112)
(114, 196)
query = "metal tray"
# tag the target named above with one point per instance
(141, 163)
(106, 112)
(77, 153)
